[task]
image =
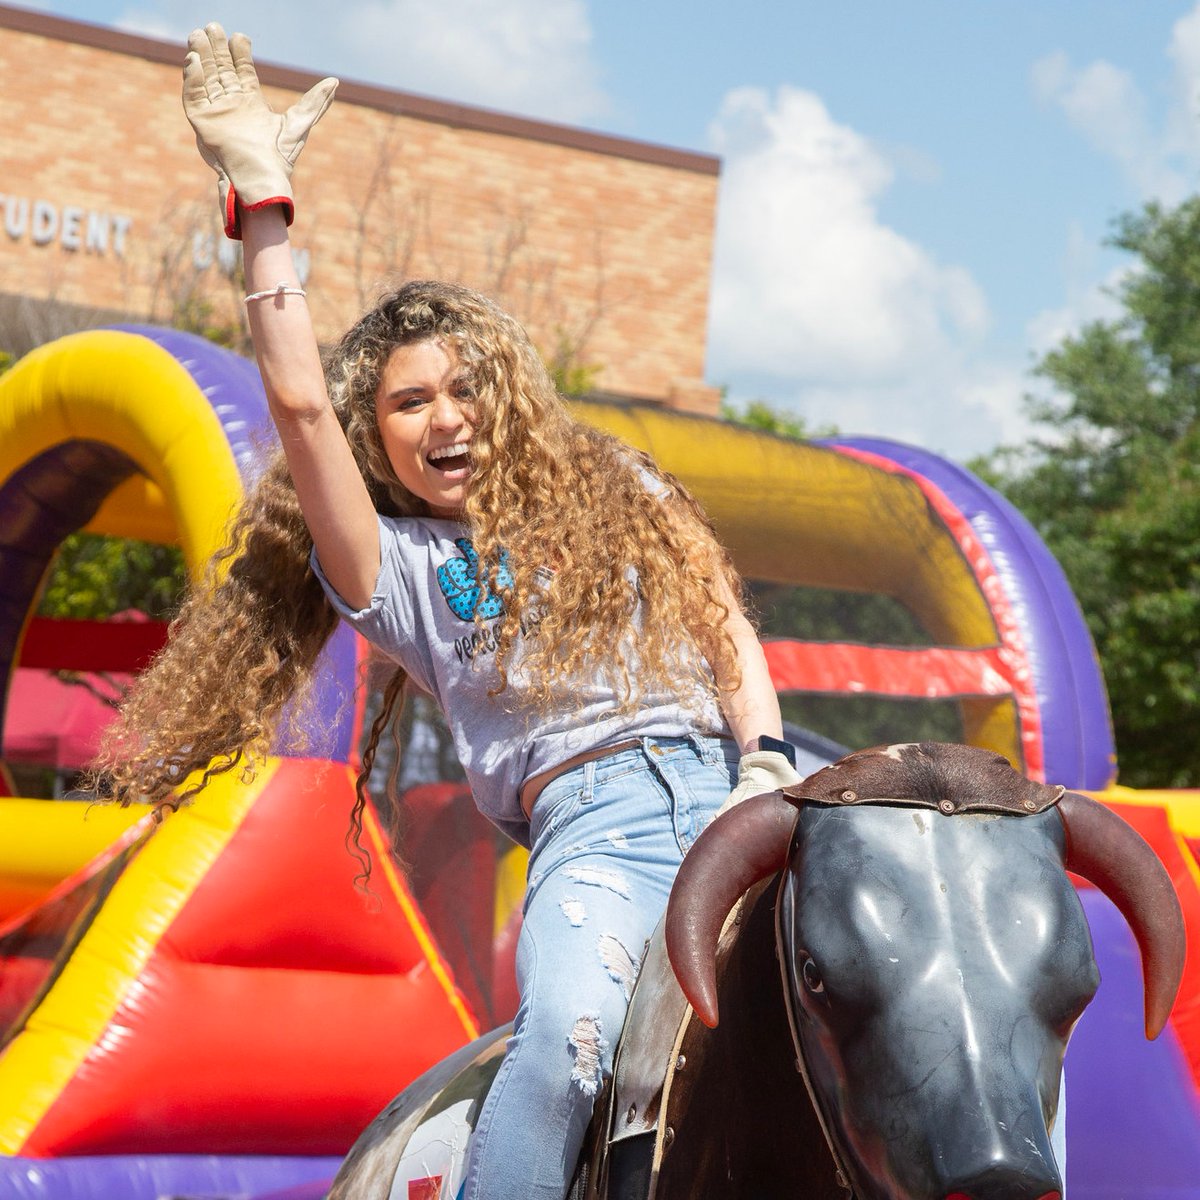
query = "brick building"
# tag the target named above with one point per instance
(601, 245)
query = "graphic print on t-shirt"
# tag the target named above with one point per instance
(456, 578)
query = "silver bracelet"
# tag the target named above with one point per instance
(280, 289)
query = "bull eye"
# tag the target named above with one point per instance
(812, 976)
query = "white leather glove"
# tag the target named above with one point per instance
(761, 771)
(251, 147)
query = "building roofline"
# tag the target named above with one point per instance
(408, 104)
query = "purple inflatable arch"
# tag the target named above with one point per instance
(1072, 700)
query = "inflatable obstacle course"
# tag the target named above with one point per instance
(209, 1007)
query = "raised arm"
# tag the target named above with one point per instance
(253, 149)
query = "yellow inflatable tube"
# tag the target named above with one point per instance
(123, 390)
(42, 843)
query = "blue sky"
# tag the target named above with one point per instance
(914, 196)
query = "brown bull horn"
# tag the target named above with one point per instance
(1113, 855)
(743, 845)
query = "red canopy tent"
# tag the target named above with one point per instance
(69, 674)
(56, 722)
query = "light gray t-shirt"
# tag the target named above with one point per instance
(422, 615)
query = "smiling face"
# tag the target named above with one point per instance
(424, 407)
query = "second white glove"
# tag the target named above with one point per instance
(761, 771)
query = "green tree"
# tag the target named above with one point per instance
(94, 577)
(1114, 488)
(759, 414)
(572, 376)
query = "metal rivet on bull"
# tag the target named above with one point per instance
(681, 1062)
(631, 1113)
(849, 795)
(1029, 806)
(947, 806)
(668, 1137)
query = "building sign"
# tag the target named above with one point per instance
(74, 228)
(45, 223)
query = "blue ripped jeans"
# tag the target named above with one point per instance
(608, 838)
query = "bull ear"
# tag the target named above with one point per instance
(743, 845)
(1113, 855)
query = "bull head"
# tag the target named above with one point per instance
(934, 965)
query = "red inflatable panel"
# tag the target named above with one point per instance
(283, 893)
(207, 1059)
(280, 1010)
(1153, 823)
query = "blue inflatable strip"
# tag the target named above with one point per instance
(316, 1190)
(1076, 727)
(1133, 1116)
(329, 714)
(233, 386)
(160, 1176)
(230, 383)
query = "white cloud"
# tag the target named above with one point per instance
(1182, 132)
(959, 407)
(150, 24)
(1158, 157)
(819, 305)
(1098, 302)
(1087, 301)
(532, 57)
(1104, 103)
(1090, 295)
(808, 281)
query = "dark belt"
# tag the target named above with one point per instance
(533, 787)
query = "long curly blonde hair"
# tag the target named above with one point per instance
(589, 529)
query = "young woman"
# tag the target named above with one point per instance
(563, 601)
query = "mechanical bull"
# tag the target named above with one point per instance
(894, 1012)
